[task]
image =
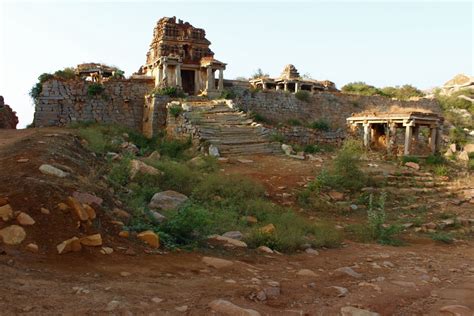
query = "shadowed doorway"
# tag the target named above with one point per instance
(187, 79)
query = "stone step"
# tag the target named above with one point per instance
(410, 178)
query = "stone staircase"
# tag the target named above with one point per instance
(414, 190)
(233, 132)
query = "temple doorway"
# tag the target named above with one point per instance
(187, 79)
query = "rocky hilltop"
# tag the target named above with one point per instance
(8, 118)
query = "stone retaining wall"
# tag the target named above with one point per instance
(65, 101)
(307, 136)
(333, 107)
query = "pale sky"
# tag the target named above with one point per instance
(382, 43)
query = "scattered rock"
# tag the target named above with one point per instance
(413, 165)
(287, 149)
(251, 220)
(349, 271)
(25, 219)
(217, 262)
(463, 156)
(12, 235)
(45, 211)
(227, 242)
(353, 311)
(214, 151)
(306, 273)
(311, 251)
(149, 237)
(32, 247)
(227, 308)
(233, 234)
(6, 212)
(87, 198)
(77, 208)
(120, 213)
(156, 300)
(69, 245)
(52, 171)
(125, 274)
(340, 291)
(160, 218)
(63, 207)
(264, 249)
(23, 160)
(139, 167)
(456, 310)
(336, 196)
(92, 240)
(154, 156)
(124, 234)
(244, 161)
(181, 308)
(3, 201)
(268, 229)
(106, 250)
(90, 211)
(112, 305)
(129, 148)
(167, 200)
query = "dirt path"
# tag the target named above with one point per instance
(417, 279)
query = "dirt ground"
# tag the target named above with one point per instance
(416, 279)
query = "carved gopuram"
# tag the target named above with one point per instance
(291, 81)
(179, 56)
(382, 129)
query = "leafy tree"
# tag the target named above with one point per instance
(360, 88)
(260, 74)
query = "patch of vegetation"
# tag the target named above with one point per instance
(228, 94)
(175, 110)
(440, 170)
(435, 159)
(95, 89)
(174, 148)
(277, 137)
(443, 237)
(379, 231)
(404, 92)
(172, 92)
(303, 95)
(320, 124)
(406, 159)
(312, 149)
(294, 122)
(118, 74)
(66, 73)
(38, 87)
(458, 136)
(259, 118)
(259, 74)
(360, 88)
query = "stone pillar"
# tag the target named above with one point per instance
(277, 87)
(416, 132)
(285, 86)
(165, 74)
(160, 75)
(366, 135)
(264, 85)
(432, 139)
(391, 137)
(178, 76)
(439, 134)
(197, 81)
(296, 87)
(220, 86)
(209, 83)
(408, 135)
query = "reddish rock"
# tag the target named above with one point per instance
(87, 198)
(3, 201)
(69, 245)
(8, 118)
(149, 237)
(336, 196)
(268, 229)
(90, 211)
(6, 212)
(77, 208)
(32, 248)
(25, 219)
(92, 240)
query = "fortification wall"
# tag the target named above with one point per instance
(8, 118)
(334, 107)
(65, 101)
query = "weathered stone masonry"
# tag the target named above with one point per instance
(8, 118)
(65, 101)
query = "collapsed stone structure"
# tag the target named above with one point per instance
(290, 81)
(8, 118)
(179, 56)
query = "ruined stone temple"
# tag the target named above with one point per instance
(180, 56)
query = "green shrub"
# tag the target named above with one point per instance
(406, 159)
(360, 88)
(38, 87)
(228, 94)
(259, 74)
(177, 176)
(67, 73)
(435, 159)
(444, 237)
(118, 74)
(376, 223)
(259, 118)
(174, 148)
(321, 125)
(100, 138)
(95, 89)
(458, 136)
(404, 92)
(277, 137)
(172, 92)
(294, 122)
(312, 149)
(303, 95)
(175, 110)
(120, 172)
(441, 170)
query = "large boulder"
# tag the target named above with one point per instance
(149, 237)
(139, 167)
(12, 235)
(167, 200)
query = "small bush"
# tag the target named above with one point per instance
(441, 170)
(406, 159)
(321, 125)
(294, 122)
(259, 118)
(174, 148)
(119, 173)
(67, 73)
(277, 137)
(303, 95)
(435, 159)
(444, 237)
(95, 89)
(458, 136)
(175, 110)
(228, 94)
(38, 87)
(360, 88)
(169, 91)
(312, 149)
(376, 221)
